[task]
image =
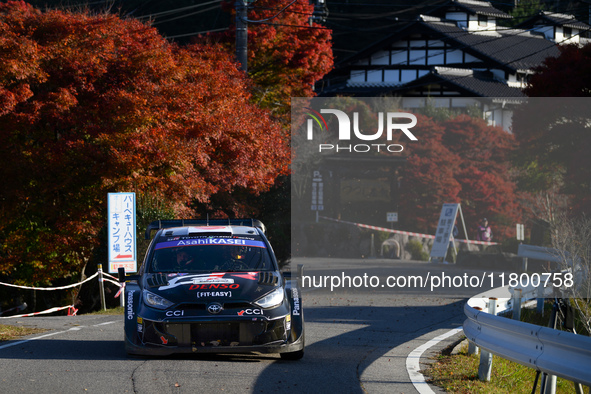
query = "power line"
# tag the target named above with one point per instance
(177, 10)
(272, 17)
(185, 15)
(198, 33)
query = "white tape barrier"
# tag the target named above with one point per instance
(56, 309)
(71, 309)
(51, 288)
(389, 230)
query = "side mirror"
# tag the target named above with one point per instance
(121, 273)
(124, 278)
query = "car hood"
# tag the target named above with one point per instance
(182, 288)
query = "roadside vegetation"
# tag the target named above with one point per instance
(111, 311)
(458, 373)
(8, 332)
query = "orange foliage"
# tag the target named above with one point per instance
(91, 104)
(286, 56)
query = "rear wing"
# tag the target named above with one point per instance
(158, 224)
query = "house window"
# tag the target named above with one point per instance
(568, 32)
(482, 20)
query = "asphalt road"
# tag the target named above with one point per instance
(357, 340)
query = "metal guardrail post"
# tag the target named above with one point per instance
(517, 304)
(472, 348)
(548, 384)
(485, 367)
(549, 381)
(540, 301)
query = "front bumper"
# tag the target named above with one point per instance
(213, 336)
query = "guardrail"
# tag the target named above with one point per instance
(537, 253)
(553, 352)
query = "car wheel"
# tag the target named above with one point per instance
(292, 355)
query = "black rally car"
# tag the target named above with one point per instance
(212, 286)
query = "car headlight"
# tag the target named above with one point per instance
(271, 300)
(155, 301)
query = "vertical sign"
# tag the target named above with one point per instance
(520, 232)
(317, 192)
(444, 235)
(121, 225)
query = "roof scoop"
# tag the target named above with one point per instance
(211, 230)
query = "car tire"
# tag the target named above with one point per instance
(291, 356)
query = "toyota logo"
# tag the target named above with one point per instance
(214, 308)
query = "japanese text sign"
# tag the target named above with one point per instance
(444, 233)
(122, 237)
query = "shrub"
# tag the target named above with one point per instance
(415, 248)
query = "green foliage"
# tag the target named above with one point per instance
(554, 133)
(415, 248)
(524, 10)
(440, 114)
(511, 244)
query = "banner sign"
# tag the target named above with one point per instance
(444, 235)
(122, 236)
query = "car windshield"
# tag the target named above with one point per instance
(210, 254)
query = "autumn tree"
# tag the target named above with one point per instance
(91, 104)
(566, 75)
(427, 179)
(460, 159)
(287, 54)
(488, 187)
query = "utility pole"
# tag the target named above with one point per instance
(241, 35)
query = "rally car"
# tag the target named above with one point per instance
(212, 286)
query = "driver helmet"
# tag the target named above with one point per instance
(182, 256)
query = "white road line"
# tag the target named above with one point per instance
(10, 344)
(104, 324)
(412, 362)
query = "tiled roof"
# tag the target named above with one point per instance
(556, 19)
(479, 83)
(510, 49)
(472, 83)
(480, 8)
(514, 48)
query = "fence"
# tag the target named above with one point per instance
(71, 308)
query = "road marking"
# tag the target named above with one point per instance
(104, 324)
(10, 344)
(412, 362)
